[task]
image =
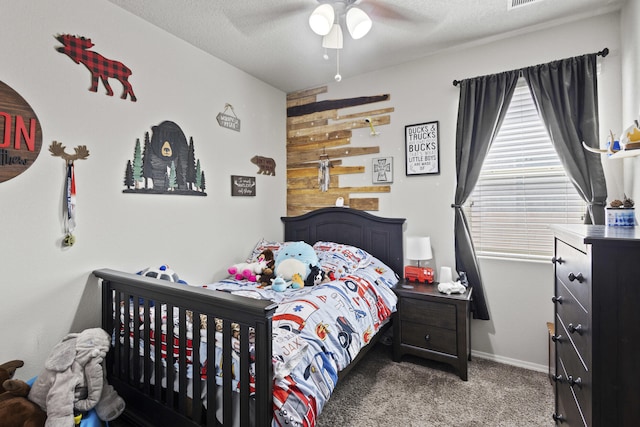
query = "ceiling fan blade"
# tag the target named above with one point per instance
(252, 21)
(379, 10)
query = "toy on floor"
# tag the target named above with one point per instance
(15, 409)
(74, 379)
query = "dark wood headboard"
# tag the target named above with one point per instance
(381, 237)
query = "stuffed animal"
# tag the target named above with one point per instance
(266, 276)
(74, 379)
(315, 277)
(279, 285)
(296, 281)
(15, 409)
(251, 270)
(295, 257)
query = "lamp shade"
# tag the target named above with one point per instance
(322, 18)
(419, 248)
(333, 40)
(358, 23)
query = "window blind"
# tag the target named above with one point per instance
(522, 188)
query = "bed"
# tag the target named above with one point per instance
(171, 314)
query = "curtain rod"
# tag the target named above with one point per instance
(604, 52)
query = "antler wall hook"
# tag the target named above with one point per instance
(58, 150)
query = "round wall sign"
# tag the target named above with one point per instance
(20, 134)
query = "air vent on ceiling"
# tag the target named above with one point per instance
(513, 4)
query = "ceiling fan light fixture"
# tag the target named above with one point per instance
(358, 22)
(334, 39)
(322, 19)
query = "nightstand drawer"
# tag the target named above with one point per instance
(428, 313)
(429, 337)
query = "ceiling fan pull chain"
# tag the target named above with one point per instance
(338, 77)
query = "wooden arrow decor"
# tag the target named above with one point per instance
(316, 128)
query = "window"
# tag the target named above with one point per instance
(522, 188)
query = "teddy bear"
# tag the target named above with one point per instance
(250, 270)
(15, 409)
(74, 378)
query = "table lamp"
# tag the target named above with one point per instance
(418, 249)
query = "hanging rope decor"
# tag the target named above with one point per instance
(323, 172)
(70, 214)
(81, 153)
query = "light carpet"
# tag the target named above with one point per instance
(417, 392)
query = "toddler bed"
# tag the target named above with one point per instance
(285, 358)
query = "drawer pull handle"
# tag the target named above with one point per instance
(557, 378)
(573, 329)
(558, 418)
(558, 260)
(572, 382)
(579, 277)
(556, 338)
(556, 299)
(427, 337)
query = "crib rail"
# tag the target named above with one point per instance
(135, 370)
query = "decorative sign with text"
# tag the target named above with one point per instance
(20, 134)
(243, 185)
(422, 148)
(228, 121)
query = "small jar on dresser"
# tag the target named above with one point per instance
(433, 325)
(597, 325)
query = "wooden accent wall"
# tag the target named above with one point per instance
(316, 128)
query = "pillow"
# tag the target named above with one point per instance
(340, 258)
(261, 246)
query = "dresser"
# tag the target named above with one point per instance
(433, 325)
(597, 325)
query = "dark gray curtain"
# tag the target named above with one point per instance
(481, 110)
(566, 96)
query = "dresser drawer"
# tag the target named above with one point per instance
(574, 372)
(567, 408)
(428, 313)
(429, 337)
(573, 270)
(575, 322)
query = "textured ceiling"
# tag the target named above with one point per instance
(271, 39)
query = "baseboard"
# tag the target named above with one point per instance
(508, 361)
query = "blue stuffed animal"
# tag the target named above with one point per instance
(295, 258)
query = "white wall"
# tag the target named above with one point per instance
(47, 290)
(518, 293)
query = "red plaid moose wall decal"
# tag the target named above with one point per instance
(100, 67)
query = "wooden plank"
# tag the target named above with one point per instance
(306, 125)
(311, 164)
(309, 182)
(371, 114)
(317, 145)
(310, 118)
(307, 92)
(317, 138)
(337, 170)
(347, 125)
(340, 191)
(301, 101)
(364, 204)
(333, 104)
(314, 155)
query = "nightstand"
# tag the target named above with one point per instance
(433, 325)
